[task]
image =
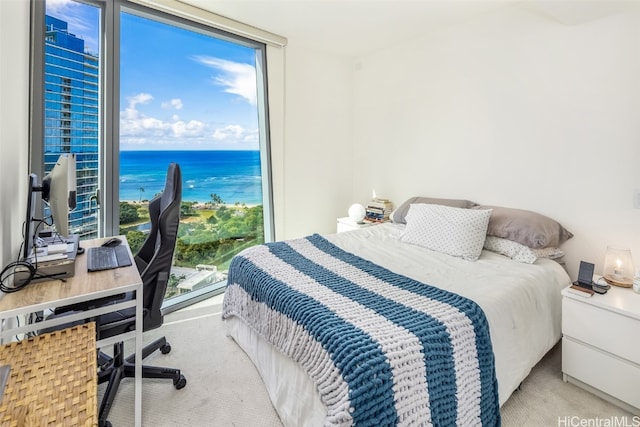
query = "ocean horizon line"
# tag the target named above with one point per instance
(150, 150)
(232, 175)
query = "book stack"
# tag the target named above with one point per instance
(378, 210)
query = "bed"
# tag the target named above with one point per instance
(366, 328)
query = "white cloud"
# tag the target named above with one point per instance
(131, 112)
(190, 128)
(73, 13)
(237, 78)
(175, 103)
(141, 98)
(235, 133)
(57, 5)
(136, 128)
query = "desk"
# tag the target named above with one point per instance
(82, 287)
(53, 379)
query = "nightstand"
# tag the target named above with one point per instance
(601, 345)
(347, 224)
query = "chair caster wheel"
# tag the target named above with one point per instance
(165, 348)
(180, 382)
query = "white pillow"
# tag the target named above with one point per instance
(551, 253)
(455, 231)
(519, 252)
(511, 249)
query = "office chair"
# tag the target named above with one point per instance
(154, 261)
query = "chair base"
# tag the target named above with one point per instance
(114, 369)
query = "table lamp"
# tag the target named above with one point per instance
(618, 267)
(357, 213)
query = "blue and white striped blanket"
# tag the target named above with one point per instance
(383, 349)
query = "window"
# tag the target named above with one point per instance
(168, 90)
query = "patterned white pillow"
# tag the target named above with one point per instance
(519, 252)
(551, 253)
(455, 231)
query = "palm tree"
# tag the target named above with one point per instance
(216, 200)
(141, 191)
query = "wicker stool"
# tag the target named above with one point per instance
(53, 379)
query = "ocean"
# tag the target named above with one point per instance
(235, 176)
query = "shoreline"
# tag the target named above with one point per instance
(197, 205)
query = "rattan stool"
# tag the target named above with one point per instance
(53, 380)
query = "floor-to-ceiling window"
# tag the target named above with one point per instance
(71, 106)
(190, 97)
(129, 90)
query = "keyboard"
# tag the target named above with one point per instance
(107, 258)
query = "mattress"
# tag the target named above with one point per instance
(521, 302)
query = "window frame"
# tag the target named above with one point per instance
(108, 198)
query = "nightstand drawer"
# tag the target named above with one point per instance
(598, 369)
(607, 330)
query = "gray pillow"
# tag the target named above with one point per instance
(399, 215)
(528, 228)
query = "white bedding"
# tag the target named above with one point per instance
(522, 303)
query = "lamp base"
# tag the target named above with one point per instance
(623, 283)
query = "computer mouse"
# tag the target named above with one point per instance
(114, 241)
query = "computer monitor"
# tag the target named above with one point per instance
(59, 192)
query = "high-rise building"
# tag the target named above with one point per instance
(71, 111)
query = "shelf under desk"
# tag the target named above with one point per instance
(83, 286)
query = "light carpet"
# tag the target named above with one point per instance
(224, 389)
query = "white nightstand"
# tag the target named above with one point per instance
(601, 345)
(346, 224)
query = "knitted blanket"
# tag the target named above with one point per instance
(382, 349)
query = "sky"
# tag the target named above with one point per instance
(179, 89)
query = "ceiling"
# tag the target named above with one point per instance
(355, 27)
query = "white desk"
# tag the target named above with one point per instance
(83, 286)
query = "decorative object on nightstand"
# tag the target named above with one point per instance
(378, 210)
(618, 267)
(636, 282)
(357, 212)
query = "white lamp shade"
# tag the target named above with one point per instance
(357, 212)
(618, 267)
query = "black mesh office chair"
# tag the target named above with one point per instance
(154, 261)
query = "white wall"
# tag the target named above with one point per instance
(318, 143)
(512, 109)
(14, 113)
